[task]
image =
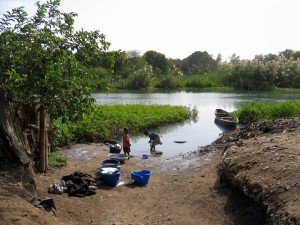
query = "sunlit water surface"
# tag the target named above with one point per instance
(195, 134)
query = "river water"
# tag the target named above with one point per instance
(200, 132)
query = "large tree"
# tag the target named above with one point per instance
(198, 63)
(158, 61)
(38, 65)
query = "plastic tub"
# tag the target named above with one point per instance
(111, 179)
(108, 166)
(111, 162)
(118, 156)
(115, 148)
(141, 178)
(145, 156)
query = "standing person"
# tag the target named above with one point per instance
(154, 140)
(126, 142)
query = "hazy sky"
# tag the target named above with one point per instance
(177, 28)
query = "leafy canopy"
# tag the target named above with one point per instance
(37, 59)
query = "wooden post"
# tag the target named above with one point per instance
(42, 135)
(46, 149)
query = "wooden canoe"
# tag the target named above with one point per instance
(225, 118)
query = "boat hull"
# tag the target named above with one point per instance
(225, 118)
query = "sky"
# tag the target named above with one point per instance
(178, 28)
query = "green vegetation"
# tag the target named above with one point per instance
(212, 79)
(107, 121)
(45, 67)
(254, 111)
(288, 90)
(200, 70)
(260, 75)
(38, 63)
(56, 160)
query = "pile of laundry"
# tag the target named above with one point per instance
(76, 184)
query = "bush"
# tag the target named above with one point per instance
(283, 109)
(202, 81)
(62, 135)
(253, 111)
(249, 115)
(168, 82)
(140, 78)
(55, 160)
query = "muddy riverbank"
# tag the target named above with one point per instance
(259, 162)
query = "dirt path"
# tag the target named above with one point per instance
(175, 194)
(172, 196)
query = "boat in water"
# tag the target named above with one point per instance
(225, 118)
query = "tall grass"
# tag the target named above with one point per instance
(107, 121)
(211, 79)
(168, 82)
(263, 75)
(257, 111)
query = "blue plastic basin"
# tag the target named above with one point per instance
(110, 162)
(111, 179)
(141, 178)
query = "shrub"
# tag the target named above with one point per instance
(249, 115)
(168, 82)
(140, 78)
(254, 111)
(62, 135)
(55, 160)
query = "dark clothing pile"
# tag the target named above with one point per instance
(77, 184)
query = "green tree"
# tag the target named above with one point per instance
(219, 58)
(105, 66)
(296, 55)
(140, 78)
(133, 61)
(37, 61)
(234, 58)
(198, 63)
(158, 61)
(287, 54)
(270, 57)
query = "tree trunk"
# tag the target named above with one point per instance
(11, 128)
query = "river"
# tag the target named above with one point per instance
(200, 132)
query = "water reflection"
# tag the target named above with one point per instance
(200, 132)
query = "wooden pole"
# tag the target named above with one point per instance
(46, 149)
(42, 140)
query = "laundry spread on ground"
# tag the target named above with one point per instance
(77, 184)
